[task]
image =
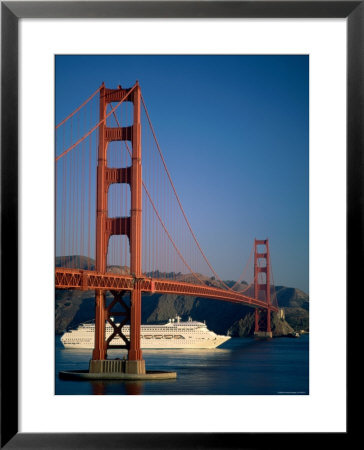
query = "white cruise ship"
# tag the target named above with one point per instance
(174, 334)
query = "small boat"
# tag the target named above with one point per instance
(294, 334)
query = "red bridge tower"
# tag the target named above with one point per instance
(262, 283)
(130, 226)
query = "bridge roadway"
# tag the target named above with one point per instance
(88, 280)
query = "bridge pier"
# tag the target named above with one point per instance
(133, 368)
(263, 334)
(260, 333)
(117, 366)
(99, 362)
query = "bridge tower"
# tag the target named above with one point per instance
(262, 283)
(108, 226)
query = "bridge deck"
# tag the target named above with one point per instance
(88, 280)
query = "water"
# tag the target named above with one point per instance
(244, 366)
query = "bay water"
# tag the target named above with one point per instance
(241, 366)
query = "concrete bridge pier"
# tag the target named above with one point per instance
(263, 334)
(260, 333)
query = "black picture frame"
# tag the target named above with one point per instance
(11, 12)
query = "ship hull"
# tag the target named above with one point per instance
(156, 344)
(169, 336)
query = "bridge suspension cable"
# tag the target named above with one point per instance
(78, 109)
(243, 274)
(274, 299)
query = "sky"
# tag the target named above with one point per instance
(234, 132)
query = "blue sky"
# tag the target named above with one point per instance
(234, 131)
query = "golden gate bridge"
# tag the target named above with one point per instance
(127, 233)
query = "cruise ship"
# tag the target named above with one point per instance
(174, 334)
